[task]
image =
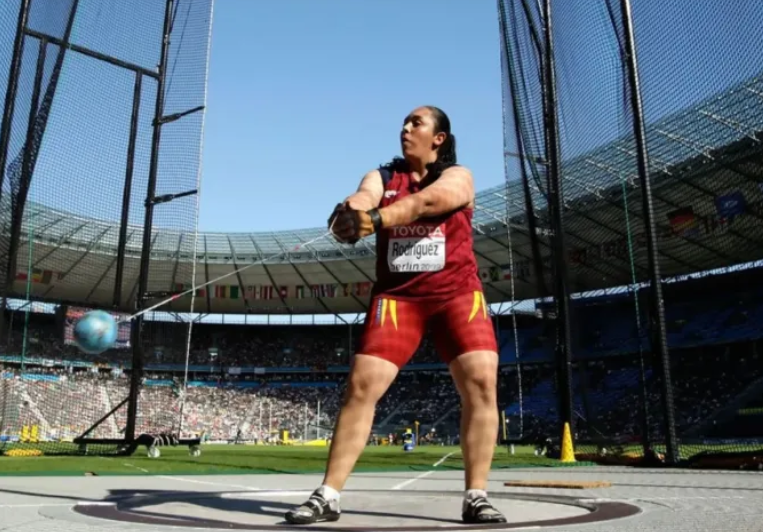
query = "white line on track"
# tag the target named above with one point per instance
(422, 475)
(34, 505)
(279, 493)
(687, 498)
(135, 467)
(441, 460)
(95, 503)
(412, 480)
(194, 481)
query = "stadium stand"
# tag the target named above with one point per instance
(286, 372)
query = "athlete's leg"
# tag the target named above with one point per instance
(369, 379)
(393, 332)
(475, 375)
(466, 341)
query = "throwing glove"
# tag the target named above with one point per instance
(350, 225)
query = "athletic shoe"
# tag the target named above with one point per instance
(316, 509)
(479, 511)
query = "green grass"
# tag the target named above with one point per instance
(241, 459)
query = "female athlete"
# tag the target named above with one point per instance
(420, 208)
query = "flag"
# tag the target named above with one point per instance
(731, 205)
(362, 289)
(221, 291)
(233, 291)
(328, 290)
(38, 276)
(683, 221)
(522, 269)
(300, 292)
(499, 273)
(284, 292)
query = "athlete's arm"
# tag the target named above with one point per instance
(367, 197)
(453, 190)
(369, 194)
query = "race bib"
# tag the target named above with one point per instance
(416, 248)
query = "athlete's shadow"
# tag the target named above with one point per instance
(213, 501)
(247, 505)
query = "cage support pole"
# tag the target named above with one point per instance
(563, 351)
(657, 314)
(12, 88)
(138, 357)
(127, 192)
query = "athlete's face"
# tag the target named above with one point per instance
(418, 138)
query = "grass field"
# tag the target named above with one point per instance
(242, 459)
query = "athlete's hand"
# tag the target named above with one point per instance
(337, 210)
(350, 225)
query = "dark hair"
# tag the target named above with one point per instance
(446, 153)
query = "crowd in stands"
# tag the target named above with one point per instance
(607, 395)
(310, 346)
(608, 386)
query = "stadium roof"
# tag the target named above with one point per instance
(690, 156)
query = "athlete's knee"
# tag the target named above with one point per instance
(369, 379)
(476, 377)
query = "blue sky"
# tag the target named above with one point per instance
(305, 97)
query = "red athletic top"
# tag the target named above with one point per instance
(431, 258)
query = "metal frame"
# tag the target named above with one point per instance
(126, 193)
(559, 256)
(658, 328)
(151, 198)
(12, 88)
(143, 296)
(29, 160)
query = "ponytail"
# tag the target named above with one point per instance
(446, 157)
(447, 152)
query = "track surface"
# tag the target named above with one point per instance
(675, 500)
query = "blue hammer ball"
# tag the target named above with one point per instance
(95, 332)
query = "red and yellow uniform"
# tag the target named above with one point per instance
(427, 278)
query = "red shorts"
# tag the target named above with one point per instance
(394, 328)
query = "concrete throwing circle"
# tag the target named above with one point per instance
(366, 510)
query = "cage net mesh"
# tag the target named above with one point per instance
(81, 124)
(702, 96)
